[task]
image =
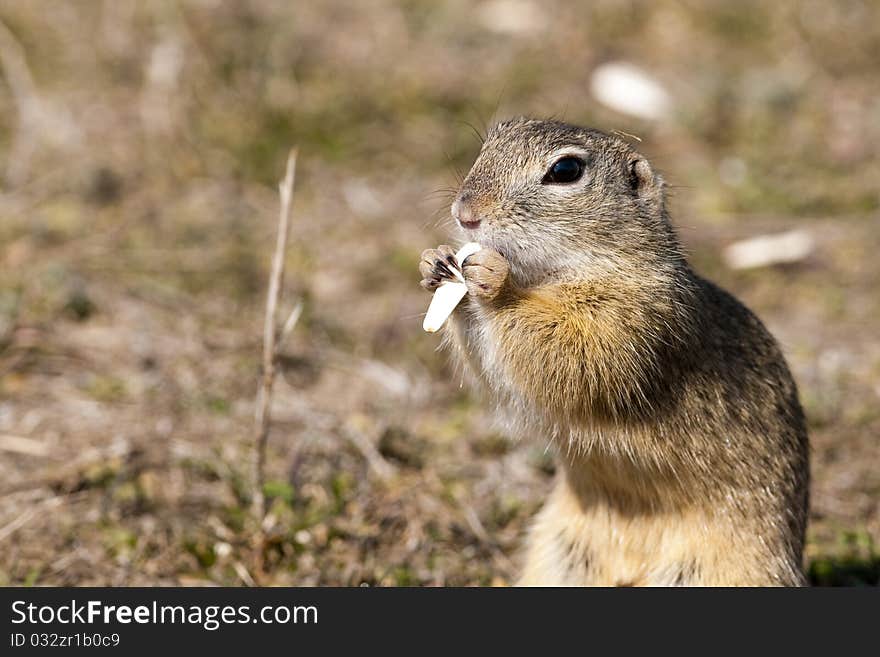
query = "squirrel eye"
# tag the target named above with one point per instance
(564, 170)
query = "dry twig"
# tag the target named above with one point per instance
(38, 119)
(383, 469)
(288, 327)
(27, 515)
(271, 341)
(22, 445)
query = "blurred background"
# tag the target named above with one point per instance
(140, 147)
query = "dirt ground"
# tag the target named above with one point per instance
(140, 145)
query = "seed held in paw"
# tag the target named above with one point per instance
(450, 293)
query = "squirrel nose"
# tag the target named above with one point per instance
(463, 212)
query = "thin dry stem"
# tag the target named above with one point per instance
(27, 102)
(263, 417)
(383, 469)
(22, 445)
(289, 325)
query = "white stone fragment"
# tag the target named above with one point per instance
(514, 17)
(630, 90)
(765, 250)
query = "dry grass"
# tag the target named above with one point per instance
(141, 144)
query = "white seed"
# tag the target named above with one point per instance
(449, 294)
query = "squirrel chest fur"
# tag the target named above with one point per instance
(681, 441)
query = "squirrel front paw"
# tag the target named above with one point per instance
(485, 273)
(436, 266)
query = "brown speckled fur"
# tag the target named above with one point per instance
(682, 444)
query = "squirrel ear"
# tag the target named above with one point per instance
(644, 182)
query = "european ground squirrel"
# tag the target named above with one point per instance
(681, 441)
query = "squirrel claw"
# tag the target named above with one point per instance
(436, 266)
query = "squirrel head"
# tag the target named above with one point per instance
(559, 201)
